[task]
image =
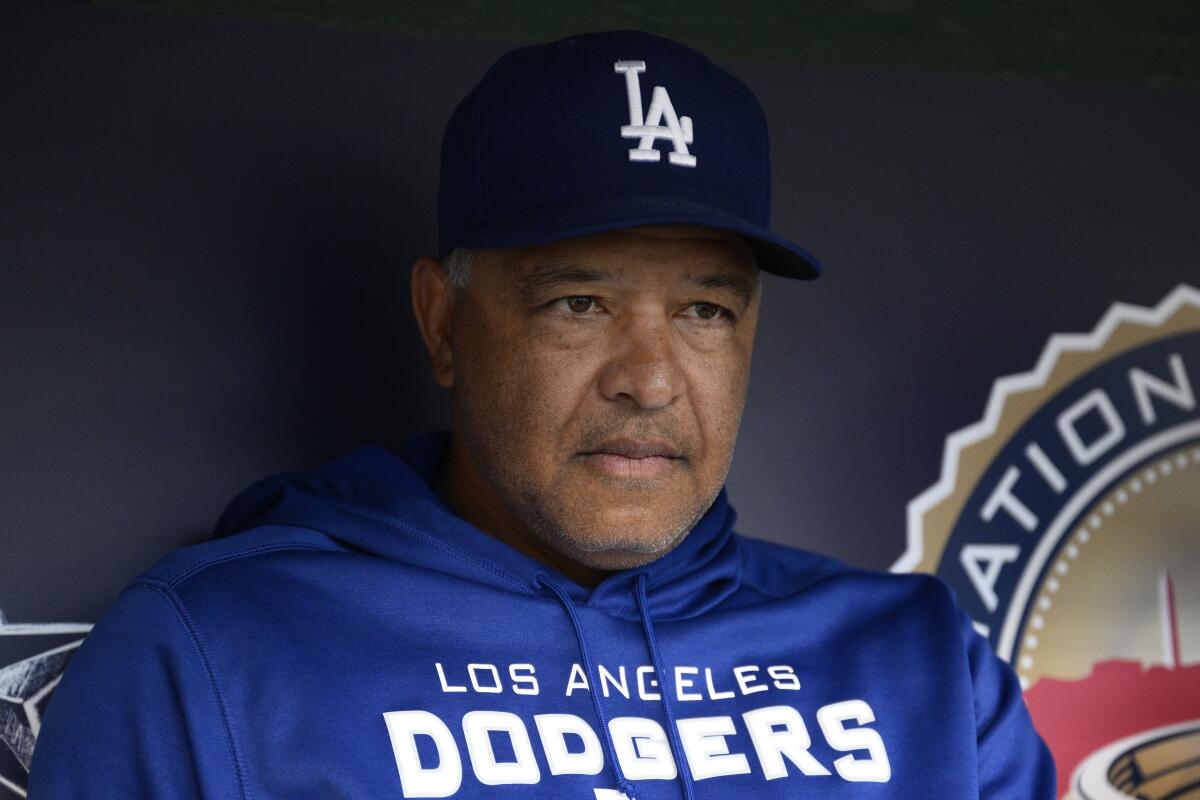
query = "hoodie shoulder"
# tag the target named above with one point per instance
(779, 570)
(182, 563)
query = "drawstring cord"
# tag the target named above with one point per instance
(593, 682)
(656, 658)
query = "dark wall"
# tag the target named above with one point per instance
(206, 227)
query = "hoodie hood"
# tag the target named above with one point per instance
(379, 502)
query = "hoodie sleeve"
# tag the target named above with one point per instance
(1013, 760)
(137, 714)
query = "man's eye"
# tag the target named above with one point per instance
(711, 311)
(577, 304)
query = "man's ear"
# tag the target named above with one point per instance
(432, 302)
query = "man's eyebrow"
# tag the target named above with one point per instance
(546, 276)
(739, 283)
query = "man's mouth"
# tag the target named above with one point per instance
(637, 448)
(633, 458)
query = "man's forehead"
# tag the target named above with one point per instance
(712, 246)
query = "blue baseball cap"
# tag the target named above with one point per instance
(608, 130)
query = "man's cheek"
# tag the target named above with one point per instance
(554, 376)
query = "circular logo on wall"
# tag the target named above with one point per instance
(1068, 521)
(32, 659)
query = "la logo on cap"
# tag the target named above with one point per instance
(646, 129)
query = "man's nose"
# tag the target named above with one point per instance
(645, 365)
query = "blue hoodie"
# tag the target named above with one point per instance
(345, 635)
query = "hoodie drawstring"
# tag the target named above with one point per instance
(656, 659)
(593, 682)
(623, 784)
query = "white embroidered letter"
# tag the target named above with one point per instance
(677, 129)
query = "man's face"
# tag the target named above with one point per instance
(598, 383)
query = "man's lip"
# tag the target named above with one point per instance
(636, 448)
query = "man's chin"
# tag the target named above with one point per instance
(617, 549)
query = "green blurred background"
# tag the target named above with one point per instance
(1156, 42)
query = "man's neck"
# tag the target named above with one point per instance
(469, 496)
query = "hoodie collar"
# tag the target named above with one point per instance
(375, 500)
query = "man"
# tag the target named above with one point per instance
(550, 600)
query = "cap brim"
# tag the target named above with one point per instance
(580, 216)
